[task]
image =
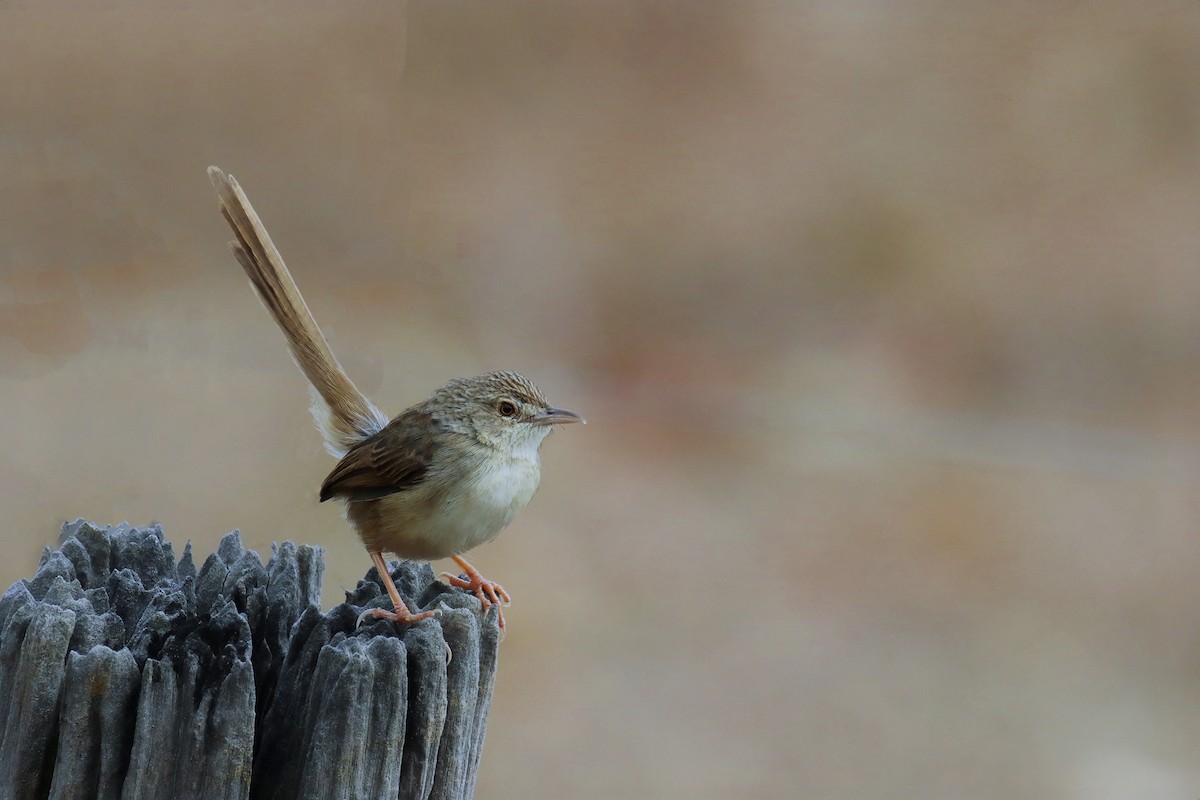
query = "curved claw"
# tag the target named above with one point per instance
(489, 592)
(404, 618)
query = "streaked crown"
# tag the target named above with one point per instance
(492, 385)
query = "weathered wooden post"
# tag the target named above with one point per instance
(126, 674)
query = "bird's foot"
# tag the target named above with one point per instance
(401, 615)
(489, 592)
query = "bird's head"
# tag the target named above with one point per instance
(501, 409)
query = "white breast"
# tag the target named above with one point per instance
(476, 513)
(501, 489)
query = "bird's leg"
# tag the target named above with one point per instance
(401, 614)
(489, 592)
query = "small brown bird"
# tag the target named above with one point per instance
(440, 478)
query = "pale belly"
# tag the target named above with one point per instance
(418, 524)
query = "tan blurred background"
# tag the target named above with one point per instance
(885, 316)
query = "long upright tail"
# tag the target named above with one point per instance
(342, 413)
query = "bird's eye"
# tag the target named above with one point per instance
(507, 408)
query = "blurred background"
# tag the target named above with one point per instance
(885, 316)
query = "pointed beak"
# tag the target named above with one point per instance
(557, 416)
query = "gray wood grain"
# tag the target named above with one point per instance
(126, 673)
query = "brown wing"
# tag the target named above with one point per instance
(390, 461)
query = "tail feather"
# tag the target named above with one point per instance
(342, 413)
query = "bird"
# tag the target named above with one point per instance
(438, 479)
